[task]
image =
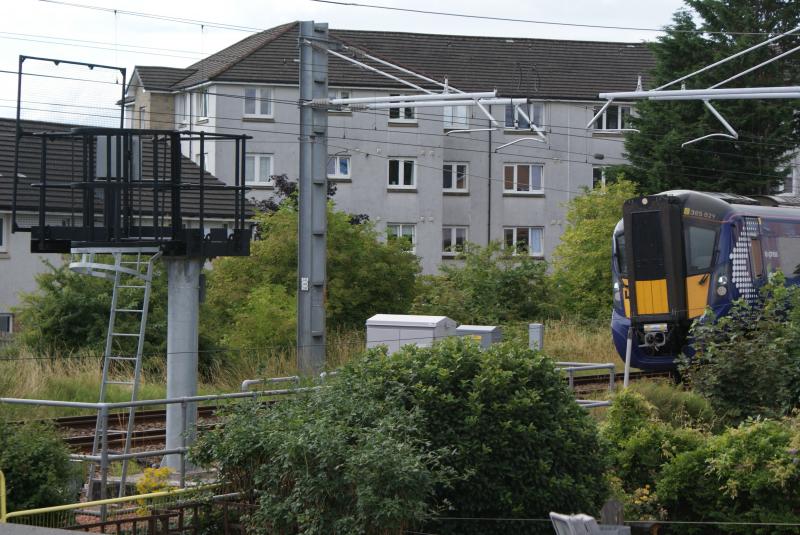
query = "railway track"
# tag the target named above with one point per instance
(150, 431)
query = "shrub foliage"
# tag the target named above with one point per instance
(37, 468)
(489, 286)
(450, 429)
(747, 363)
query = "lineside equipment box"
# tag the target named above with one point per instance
(397, 330)
(485, 334)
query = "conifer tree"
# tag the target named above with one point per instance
(757, 161)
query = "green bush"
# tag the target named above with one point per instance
(747, 474)
(490, 286)
(332, 461)
(641, 443)
(747, 363)
(521, 445)
(675, 405)
(365, 276)
(37, 468)
(582, 260)
(68, 312)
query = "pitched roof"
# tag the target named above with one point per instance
(64, 166)
(544, 68)
(156, 78)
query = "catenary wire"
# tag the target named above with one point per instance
(621, 160)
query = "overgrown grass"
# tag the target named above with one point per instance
(77, 378)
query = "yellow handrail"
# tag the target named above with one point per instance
(108, 501)
(2, 497)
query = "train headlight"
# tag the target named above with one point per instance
(722, 281)
(722, 291)
(617, 295)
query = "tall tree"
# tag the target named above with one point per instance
(758, 160)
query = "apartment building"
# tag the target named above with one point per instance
(435, 177)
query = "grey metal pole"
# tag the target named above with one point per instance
(103, 463)
(183, 314)
(536, 336)
(312, 226)
(628, 348)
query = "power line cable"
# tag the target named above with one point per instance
(529, 21)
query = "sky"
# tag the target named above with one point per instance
(55, 30)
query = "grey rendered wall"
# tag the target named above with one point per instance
(370, 139)
(18, 266)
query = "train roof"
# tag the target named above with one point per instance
(725, 205)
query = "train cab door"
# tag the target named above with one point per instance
(748, 269)
(757, 264)
(655, 259)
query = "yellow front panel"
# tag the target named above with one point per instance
(697, 294)
(651, 297)
(626, 298)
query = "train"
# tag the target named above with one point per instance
(679, 253)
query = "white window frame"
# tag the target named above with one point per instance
(603, 177)
(3, 234)
(201, 99)
(398, 233)
(518, 118)
(601, 123)
(401, 173)
(258, 180)
(402, 113)
(340, 93)
(142, 116)
(456, 117)
(454, 177)
(529, 191)
(516, 240)
(263, 95)
(10, 317)
(337, 158)
(185, 109)
(453, 251)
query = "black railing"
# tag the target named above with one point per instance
(116, 187)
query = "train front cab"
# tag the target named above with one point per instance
(669, 263)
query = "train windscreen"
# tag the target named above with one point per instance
(699, 245)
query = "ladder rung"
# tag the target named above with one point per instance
(125, 334)
(119, 382)
(129, 310)
(122, 358)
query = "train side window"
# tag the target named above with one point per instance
(757, 257)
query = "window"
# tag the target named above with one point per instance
(202, 104)
(184, 110)
(402, 174)
(525, 240)
(598, 176)
(257, 102)
(258, 169)
(339, 93)
(401, 114)
(456, 117)
(142, 117)
(3, 245)
(6, 323)
(613, 118)
(699, 242)
(516, 120)
(454, 176)
(453, 240)
(406, 233)
(523, 178)
(338, 166)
